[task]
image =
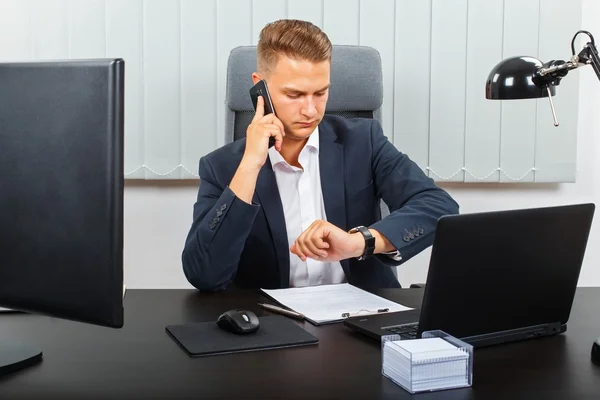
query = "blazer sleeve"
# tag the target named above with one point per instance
(221, 224)
(414, 200)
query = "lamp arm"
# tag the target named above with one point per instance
(588, 55)
(595, 61)
(555, 70)
(558, 66)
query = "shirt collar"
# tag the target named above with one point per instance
(313, 142)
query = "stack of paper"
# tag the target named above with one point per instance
(426, 364)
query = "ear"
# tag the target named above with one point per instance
(256, 77)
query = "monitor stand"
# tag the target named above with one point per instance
(15, 356)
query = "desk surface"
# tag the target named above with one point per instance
(142, 361)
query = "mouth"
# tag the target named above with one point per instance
(305, 124)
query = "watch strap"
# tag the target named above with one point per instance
(369, 241)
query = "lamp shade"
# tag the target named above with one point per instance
(514, 78)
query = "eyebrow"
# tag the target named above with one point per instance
(295, 91)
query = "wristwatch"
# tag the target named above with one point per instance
(369, 241)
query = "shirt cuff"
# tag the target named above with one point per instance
(394, 255)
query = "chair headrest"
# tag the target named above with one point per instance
(356, 78)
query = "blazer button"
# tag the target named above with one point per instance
(406, 238)
(421, 231)
(223, 207)
(411, 235)
(219, 213)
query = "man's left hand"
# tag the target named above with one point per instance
(324, 241)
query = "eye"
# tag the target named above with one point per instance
(320, 94)
(292, 96)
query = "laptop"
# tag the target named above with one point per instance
(496, 277)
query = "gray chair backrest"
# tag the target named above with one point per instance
(356, 86)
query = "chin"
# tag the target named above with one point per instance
(305, 131)
(298, 135)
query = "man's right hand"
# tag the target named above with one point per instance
(258, 133)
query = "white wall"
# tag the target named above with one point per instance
(158, 215)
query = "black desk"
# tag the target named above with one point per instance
(142, 361)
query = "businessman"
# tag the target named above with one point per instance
(306, 211)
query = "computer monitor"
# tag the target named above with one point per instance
(61, 194)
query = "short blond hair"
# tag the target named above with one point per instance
(293, 38)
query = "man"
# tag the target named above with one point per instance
(284, 216)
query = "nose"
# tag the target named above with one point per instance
(309, 108)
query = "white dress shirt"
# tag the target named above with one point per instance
(302, 200)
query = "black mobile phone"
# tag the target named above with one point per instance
(260, 89)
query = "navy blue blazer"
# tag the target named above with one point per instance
(245, 245)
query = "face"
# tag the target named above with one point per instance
(299, 90)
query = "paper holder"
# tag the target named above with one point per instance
(425, 371)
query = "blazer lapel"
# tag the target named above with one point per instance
(331, 164)
(270, 200)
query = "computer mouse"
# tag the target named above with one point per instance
(596, 352)
(238, 321)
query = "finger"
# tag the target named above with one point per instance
(272, 130)
(298, 246)
(306, 250)
(320, 243)
(271, 127)
(311, 243)
(312, 247)
(278, 122)
(317, 232)
(301, 245)
(298, 251)
(278, 139)
(260, 109)
(273, 120)
(307, 241)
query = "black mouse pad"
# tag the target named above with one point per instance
(206, 338)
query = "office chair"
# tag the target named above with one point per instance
(356, 89)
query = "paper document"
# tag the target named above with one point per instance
(332, 303)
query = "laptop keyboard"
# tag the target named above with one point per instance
(406, 331)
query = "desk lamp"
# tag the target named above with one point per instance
(527, 77)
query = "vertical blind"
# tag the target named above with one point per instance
(436, 56)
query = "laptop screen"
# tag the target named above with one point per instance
(505, 270)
